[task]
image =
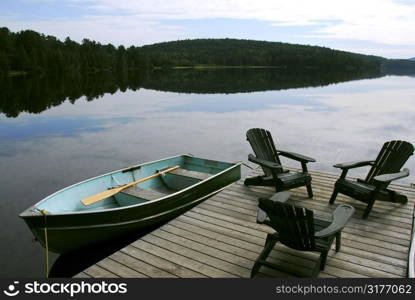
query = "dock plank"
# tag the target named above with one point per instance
(220, 238)
(161, 264)
(119, 269)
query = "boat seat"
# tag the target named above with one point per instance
(192, 174)
(146, 194)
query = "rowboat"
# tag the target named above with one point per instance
(73, 217)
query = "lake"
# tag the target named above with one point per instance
(58, 131)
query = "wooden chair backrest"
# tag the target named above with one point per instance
(391, 159)
(263, 147)
(295, 225)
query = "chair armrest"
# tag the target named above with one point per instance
(280, 197)
(262, 217)
(341, 216)
(264, 163)
(393, 176)
(296, 156)
(354, 164)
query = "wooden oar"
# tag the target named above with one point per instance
(100, 196)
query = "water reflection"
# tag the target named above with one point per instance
(36, 94)
(41, 153)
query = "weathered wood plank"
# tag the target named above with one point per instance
(247, 220)
(220, 238)
(251, 210)
(322, 195)
(324, 181)
(232, 222)
(190, 252)
(97, 271)
(161, 263)
(250, 250)
(136, 264)
(259, 244)
(119, 269)
(249, 203)
(364, 251)
(235, 255)
(183, 260)
(82, 275)
(326, 209)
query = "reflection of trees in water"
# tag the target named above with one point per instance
(209, 81)
(36, 94)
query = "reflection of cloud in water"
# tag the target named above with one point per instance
(48, 128)
(141, 126)
(242, 102)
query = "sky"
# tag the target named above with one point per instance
(378, 27)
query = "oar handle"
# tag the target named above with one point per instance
(108, 193)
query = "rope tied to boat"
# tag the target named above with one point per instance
(44, 213)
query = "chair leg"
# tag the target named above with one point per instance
(338, 241)
(368, 208)
(321, 263)
(269, 245)
(255, 268)
(309, 191)
(333, 196)
(323, 260)
(316, 269)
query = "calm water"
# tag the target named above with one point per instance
(51, 135)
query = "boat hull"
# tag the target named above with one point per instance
(70, 231)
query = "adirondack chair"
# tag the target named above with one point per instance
(385, 169)
(267, 156)
(298, 228)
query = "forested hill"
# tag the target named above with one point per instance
(233, 52)
(29, 51)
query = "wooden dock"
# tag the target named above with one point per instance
(220, 238)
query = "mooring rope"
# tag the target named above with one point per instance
(44, 213)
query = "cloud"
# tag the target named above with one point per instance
(372, 15)
(387, 22)
(381, 21)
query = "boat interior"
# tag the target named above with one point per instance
(191, 171)
(161, 186)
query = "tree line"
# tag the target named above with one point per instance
(30, 51)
